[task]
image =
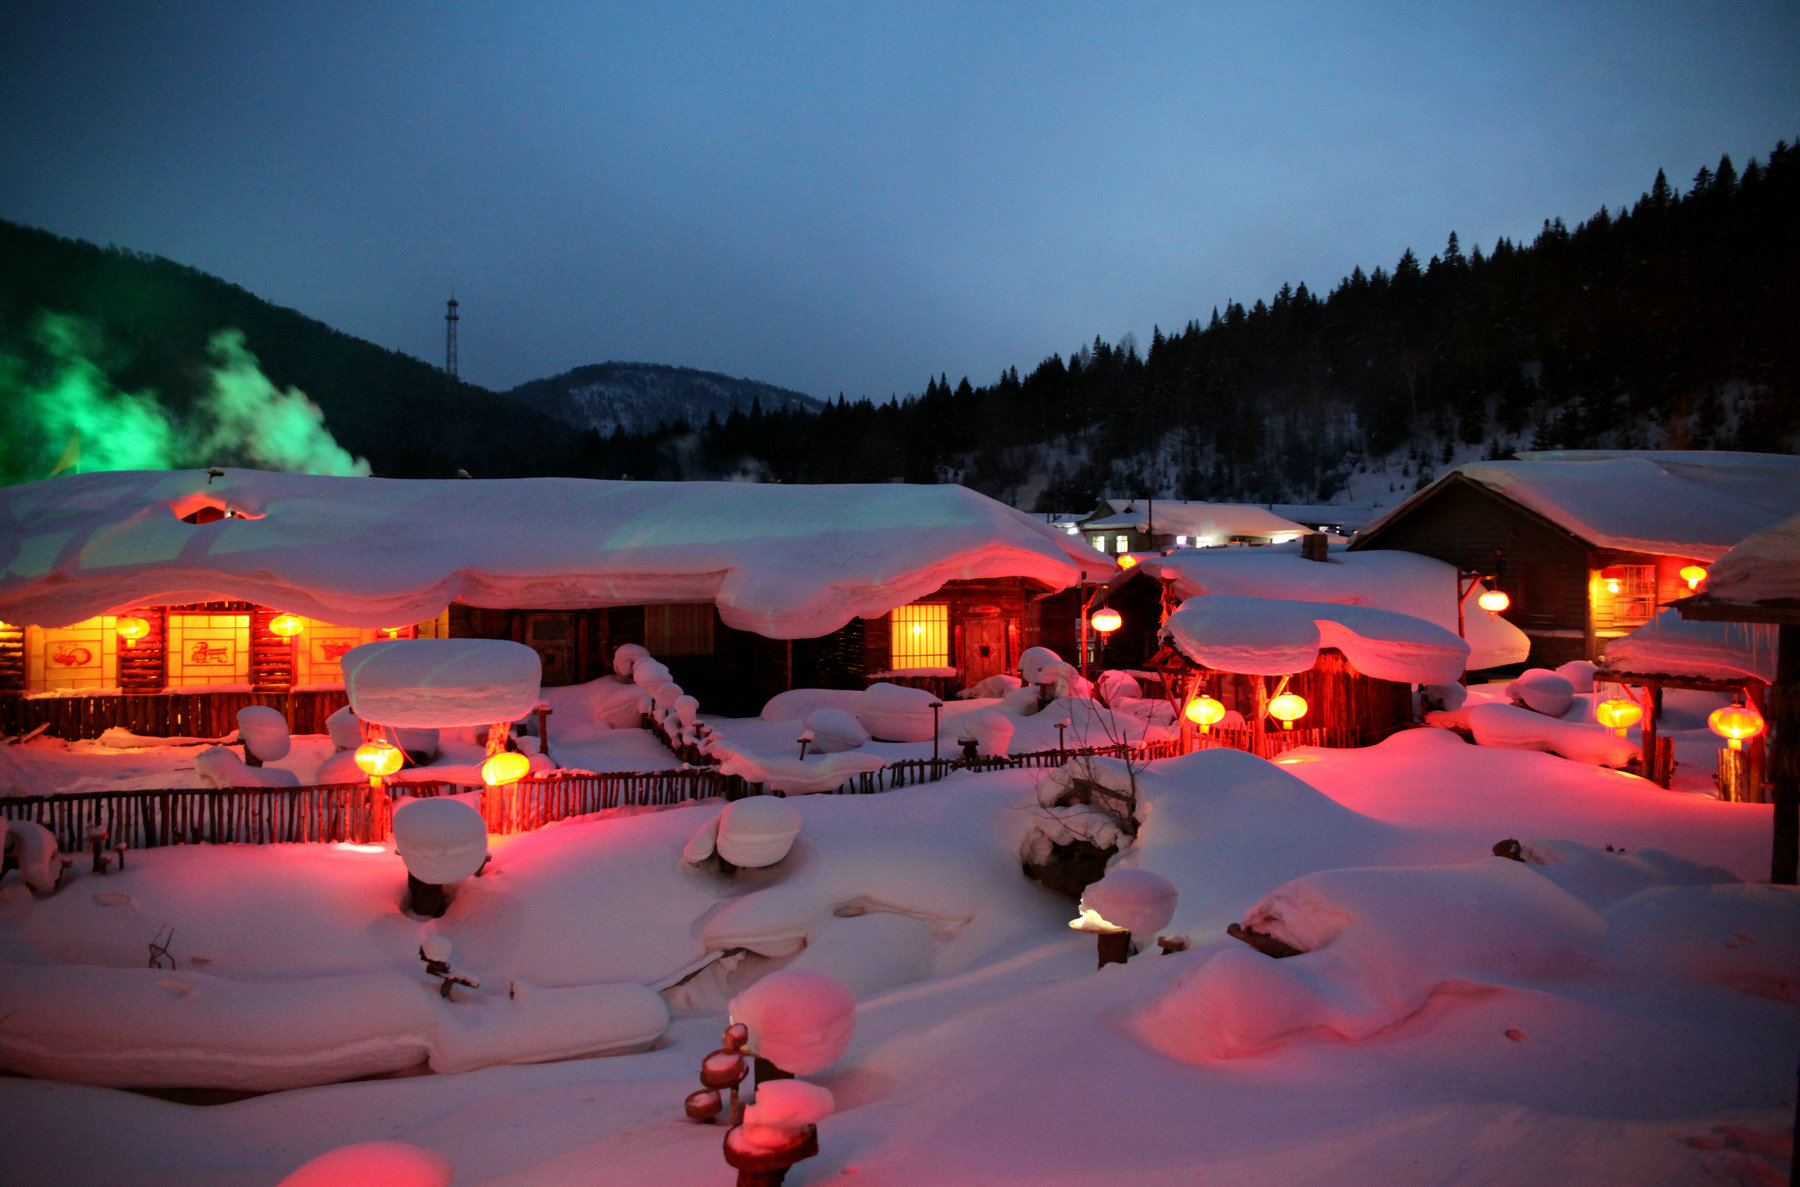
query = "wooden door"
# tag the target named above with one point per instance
(552, 636)
(984, 648)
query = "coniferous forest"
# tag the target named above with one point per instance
(1670, 324)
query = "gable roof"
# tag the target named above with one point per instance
(1216, 521)
(782, 561)
(1272, 637)
(1689, 503)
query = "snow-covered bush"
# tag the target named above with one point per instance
(752, 832)
(991, 731)
(33, 847)
(799, 1020)
(218, 767)
(1114, 684)
(1579, 673)
(1543, 691)
(834, 731)
(892, 713)
(366, 1164)
(997, 685)
(441, 839)
(1434, 697)
(264, 732)
(345, 728)
(1032, 661)
(796, 703)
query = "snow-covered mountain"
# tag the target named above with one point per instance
(640, 396)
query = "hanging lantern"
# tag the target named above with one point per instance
(1693, 575)
(1735, 723)
(377, 759)
(1127, 561)
(1493, 600)
(508, 766)
(131, 629)
(286, 625)
(1106, 621)
(1618, 714)
(1287, 709)
(1205, 712)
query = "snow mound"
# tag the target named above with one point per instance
(345, 728)
(441, 839)
(218, 767)
(1579, 673)
(1544, 691)
(582, 712)
(757, 831)
(782, 1109)
(1033, 661)
(893, 713)
(1140, 901)
(824, 772)
(33, 847)
(374, 1164)
(626, 658)
(1272, 637)
(442, 682)
(796, 703)
(799, 1020)
(991, 730)
(834, 730)
(264, 732)
(1514, 728)
(989, 688)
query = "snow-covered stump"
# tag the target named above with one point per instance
(264, 734)
(1123, 902)
(442, 840)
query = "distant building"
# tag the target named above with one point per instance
(1119, 526)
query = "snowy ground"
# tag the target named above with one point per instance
(1604, 1018)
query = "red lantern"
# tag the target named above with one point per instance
(1734, 723)
(1106, 621)
(1287, 709)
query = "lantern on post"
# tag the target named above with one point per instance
(1287, 709)
(1493, 601)
(1205, 712)
(378, 759)
(508, 766)
(1106, 622)
(1618, 714)
(1693, 575)
(1735, 723)
(131, 629)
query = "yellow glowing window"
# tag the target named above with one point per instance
(1123, 544)
(922, 635)
(1100, 542)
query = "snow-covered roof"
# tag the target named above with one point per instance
(1215, 521)
(1763, 568)
(1272, 637)
(782, 561)
(1669, 645)
(1688, 503)
(1404, 582)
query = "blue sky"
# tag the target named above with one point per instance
(851, 196)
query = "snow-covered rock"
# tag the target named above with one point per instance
(34, 848)
(757, 831)
(374, 1164)
(441, 839)
(991, 730)
(264, 732)
(1544, 691)
(893, 713)
(442, 682)
(799, 1020)
(218, 767)
(834, 730)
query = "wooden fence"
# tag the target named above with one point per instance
(163, 714)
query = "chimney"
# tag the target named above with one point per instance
(1312, 546)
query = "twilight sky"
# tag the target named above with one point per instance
(848, 196)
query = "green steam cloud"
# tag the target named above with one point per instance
(59, 412)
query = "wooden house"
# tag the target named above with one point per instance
(166, 601)
(1120, 526)
(1587, 544)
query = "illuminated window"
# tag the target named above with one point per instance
(1181, 541)
(685, 629)
(1122, 543)
(1623, 597)
(1100, 542)
(922, 635)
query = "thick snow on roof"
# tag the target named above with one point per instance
(782, 561)
(1215, 521)
(1271, 637)
(1404, 582)
(1765, 567)
(1669, 645)
(1690, 503)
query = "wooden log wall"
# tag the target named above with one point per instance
(163, 714)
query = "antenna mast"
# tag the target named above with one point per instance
(450, 320)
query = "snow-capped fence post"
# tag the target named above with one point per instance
(97, 842)
(722, 1069)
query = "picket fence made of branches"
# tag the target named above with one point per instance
(358, 814)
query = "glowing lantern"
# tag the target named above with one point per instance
(1735, 723)
(1618, 714)
(378, 759)
(131, 629)
(1205, 712)
(508, 766)
(1693, 575)
(1106, 621)
(1127, 561)
(1287, 709)
(1493, 601)
(286, 625)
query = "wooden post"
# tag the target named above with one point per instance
(1735, 778)
(1647, 734)
(1784, 758)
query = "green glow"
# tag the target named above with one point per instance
(59, 410)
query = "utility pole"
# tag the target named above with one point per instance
(450, 320)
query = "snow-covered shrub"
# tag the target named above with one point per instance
(441, 839)
(365, 1164)
(218, 767)
(1114, 684)
(757, 831)
(650, 673)
(1542, 691)
(345, 728)
(33, 848)
(834, 731)
(1140, 901)
(997, 685)
(687, 709)
(799, 1020)
(991, 731)
(796, 703)
(1032, 662)
(625, 659)
(264, 732)
(1579, 673)
(892, 713)
(1433, 697)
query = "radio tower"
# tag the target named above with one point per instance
(450, 320)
